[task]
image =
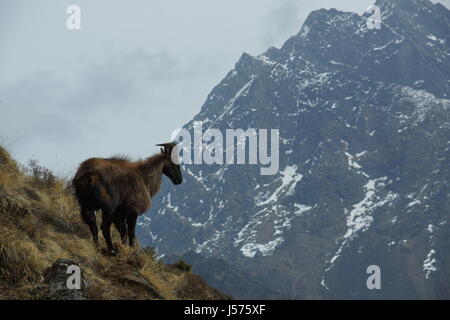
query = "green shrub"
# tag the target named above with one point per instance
(182, 265)
(40, 176)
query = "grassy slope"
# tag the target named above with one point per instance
(39, 223)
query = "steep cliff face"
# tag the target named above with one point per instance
(364, 128)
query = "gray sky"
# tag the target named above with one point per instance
(137, 70)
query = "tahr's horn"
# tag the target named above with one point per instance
(167, 146)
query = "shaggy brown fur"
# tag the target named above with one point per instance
(122, 190)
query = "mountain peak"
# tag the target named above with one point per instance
(403, 5)
(402, 2)
(327, 16)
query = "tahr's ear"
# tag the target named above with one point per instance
(162, 150)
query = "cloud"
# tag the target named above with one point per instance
(281, 22)
(123, 77)
(124, 103)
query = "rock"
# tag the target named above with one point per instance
(135, 278)
(61, 277)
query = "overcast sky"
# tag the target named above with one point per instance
(137, 69)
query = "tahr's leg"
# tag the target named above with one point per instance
(106, 229)
(131, 226)
(120, 224)
(89, 218)
(122, 227)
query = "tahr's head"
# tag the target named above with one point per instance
(171, 166)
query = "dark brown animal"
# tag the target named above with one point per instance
(122, 190)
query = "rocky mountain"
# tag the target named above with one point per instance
(364, 122)
(219, 273)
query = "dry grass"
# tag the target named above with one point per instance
(40, 223)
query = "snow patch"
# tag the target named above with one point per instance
(266, 60)
(289, 180)
(413, 203)
(429, 264)
(360, 217)
(352, 163)
(205, 244)
(305, 31)
(250, 249)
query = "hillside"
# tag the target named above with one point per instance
(364, 123)
(40, 223)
